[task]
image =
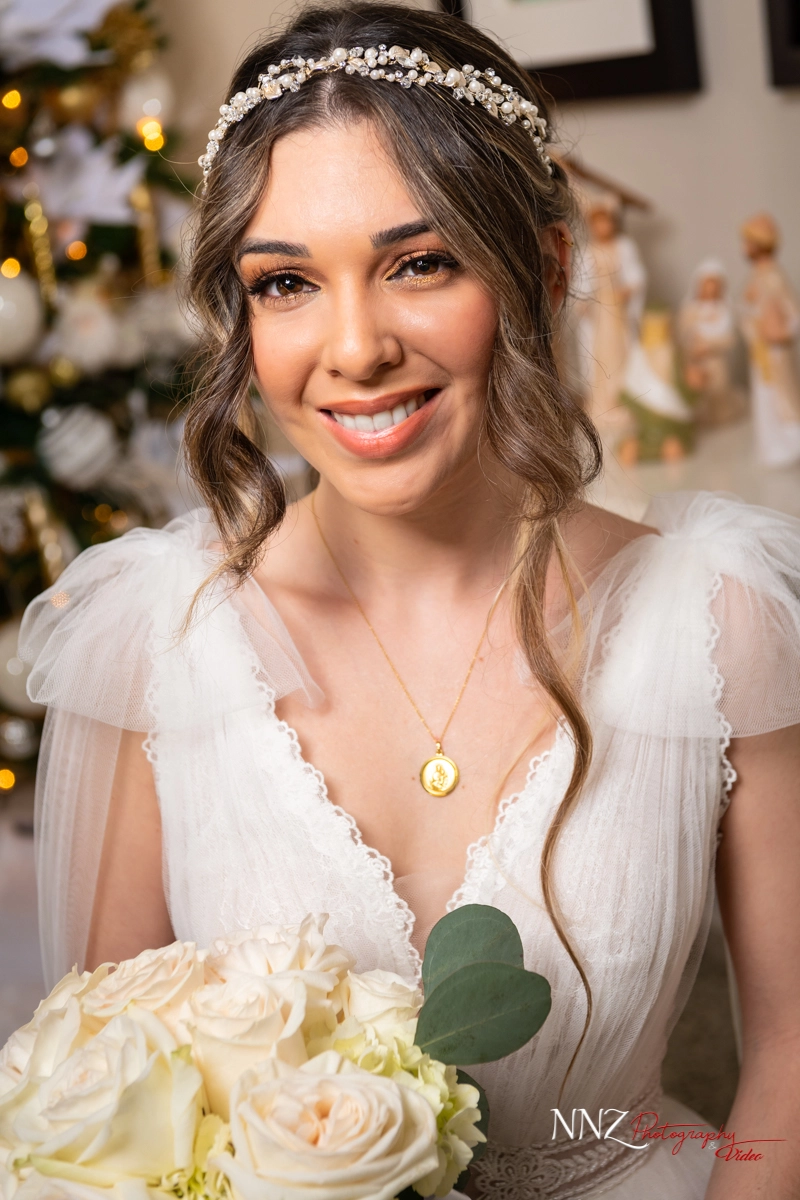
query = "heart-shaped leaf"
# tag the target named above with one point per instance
(482, 1012)
(470, 934)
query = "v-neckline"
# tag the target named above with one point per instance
(386, 878)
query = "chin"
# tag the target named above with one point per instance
(389, 489)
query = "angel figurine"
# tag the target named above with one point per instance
(771, 326)
(638, 412)
(707, 335)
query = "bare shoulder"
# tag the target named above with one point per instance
(593, 536)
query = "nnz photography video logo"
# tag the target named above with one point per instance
(642, 1130)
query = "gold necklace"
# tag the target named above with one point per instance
(439, 775)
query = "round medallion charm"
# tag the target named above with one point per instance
(439, 775)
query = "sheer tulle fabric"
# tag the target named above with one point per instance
(689, 638)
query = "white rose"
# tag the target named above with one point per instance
(237, 1024)
(35, 1050)
(126, 1104)
(40, 1187)
(276, 949)
(159, 980)
(380, 999)
(327, 1129)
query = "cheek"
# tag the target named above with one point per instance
(284, 354)
(459, 333)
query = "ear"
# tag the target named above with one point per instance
(557, 243)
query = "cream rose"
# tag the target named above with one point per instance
(278, 950)
(159, 980)
(380, 999)
(328, 1129)
(40, 1187)
(237, 1024)
(125, 1105)
(38, 1048)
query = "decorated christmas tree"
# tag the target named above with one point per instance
(95, 354)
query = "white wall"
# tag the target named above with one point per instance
(707, 161)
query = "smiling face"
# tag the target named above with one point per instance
(372, 345)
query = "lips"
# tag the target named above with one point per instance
(384, 426)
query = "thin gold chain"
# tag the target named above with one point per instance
(438, 740)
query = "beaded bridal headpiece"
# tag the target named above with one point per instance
(396, 65)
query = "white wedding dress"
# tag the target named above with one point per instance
(690, 638)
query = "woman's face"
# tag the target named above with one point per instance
(372, 346)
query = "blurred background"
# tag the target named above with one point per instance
(679, 122)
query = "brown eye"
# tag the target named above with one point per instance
(424, 266)
(281, 286)
(287, 285)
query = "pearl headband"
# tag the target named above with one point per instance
(476, 87)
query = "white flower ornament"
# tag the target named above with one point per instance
(408, 68)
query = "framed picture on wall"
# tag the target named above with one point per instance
(585, 49)
(784, 41)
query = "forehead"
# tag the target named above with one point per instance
(335, 179)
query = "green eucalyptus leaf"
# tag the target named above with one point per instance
(470, 934)
(482, 1012)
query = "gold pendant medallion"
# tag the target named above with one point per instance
(439, 775)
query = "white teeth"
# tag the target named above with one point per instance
(381, 420)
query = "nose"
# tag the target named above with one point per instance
(359, 341)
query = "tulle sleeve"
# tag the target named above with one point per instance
(695, 632)
(100, 642)
(752, 558)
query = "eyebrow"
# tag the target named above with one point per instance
(386, 237)
(399, 233)
(289, 249)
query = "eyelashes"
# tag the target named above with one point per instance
(416, 268)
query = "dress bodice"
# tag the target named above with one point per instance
(688, 637)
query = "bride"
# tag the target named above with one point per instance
(444, 678)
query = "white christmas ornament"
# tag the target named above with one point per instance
(89, 333)
(21, 316)
(148, 94)
(78, 445)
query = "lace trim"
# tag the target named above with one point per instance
(378, 865)
(479, 857)
(728, 775)
(559, 1170)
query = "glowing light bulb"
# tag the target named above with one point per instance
(12, 99)
(18, 157)
(10, 268)
(7, 779)
(76, 251)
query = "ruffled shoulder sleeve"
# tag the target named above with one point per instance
(100, 638)
(109, 654)
(695, 632)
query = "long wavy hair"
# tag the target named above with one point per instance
(482, 187)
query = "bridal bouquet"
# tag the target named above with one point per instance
(264, 1068)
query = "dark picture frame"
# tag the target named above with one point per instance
(673, 66)
(783, 20)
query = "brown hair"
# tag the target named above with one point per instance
(481, 185)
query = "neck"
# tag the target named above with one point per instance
(461, 539)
